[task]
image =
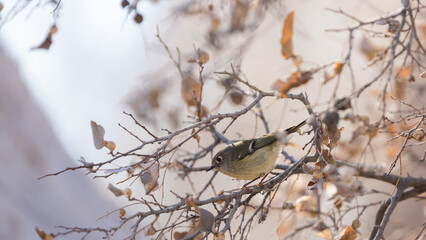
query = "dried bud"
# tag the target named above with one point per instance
(138, 18)
(393, 26)
(236, 97)
(124, 3)
(343, 103)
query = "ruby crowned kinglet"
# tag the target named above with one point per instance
(250, 159)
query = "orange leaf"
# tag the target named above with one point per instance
(338, 66)
(347, 234)
(287, 35)
(191, 90)
(423, 75)
(294, 80)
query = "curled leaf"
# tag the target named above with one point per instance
(48, 40)
(98, 133)
(287, 37)
(347, 234)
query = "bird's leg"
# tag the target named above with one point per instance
(245, 185)
(260, 183)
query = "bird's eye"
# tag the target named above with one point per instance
(219, 159)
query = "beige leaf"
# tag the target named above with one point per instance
(206, 221)
(149, 177)
(98, 133)
(117, 192)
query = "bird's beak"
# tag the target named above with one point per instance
(210, 168)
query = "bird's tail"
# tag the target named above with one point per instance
(295, 128)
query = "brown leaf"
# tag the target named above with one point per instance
(423, 75)
(295, 79)
(179, 235)
(110, 145)
(287, 36)
(393, 26)
(43, 235)
(48, 40)
(151, 230)
(239, 15)
(236, 97)
(117, 192)
(202, 56)
(191, 90)
(347, 234)
(356, 223)
(219, 236)
(122, 212)
(196, 136)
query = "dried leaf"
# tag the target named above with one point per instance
(206, 221)
(356, 223)
(239, 15)
(149, 177)
(151, 230)
(419, 134)
(196, 136)
(98, 133)
(127, 192)
(219, 236)
(48, 40)
(325, 234)
(236, 97)
(122, 212)
(369, 50)
(179, 235)
(347, 234)
(110, 145)
(117, 192)
(43, 235)
(191, 90)
(338, 66)
(423, 75)
(287, 36)
(202, 56)
(393, 26)
(306, 204)
(295, 79)
(138, 18)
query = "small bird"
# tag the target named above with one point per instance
(253, 158)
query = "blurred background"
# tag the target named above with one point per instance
(98, 66)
